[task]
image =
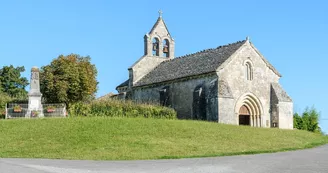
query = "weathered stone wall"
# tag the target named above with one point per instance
(143, 67)
(274, 108)
(181, 96)
(285, 115)
(281, 108)
(226, 102)
(234, 74)
(226, 112)
(148, 62)
(160, 32)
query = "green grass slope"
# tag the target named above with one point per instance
(137, 138)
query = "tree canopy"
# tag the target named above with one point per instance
(69, 79)
(309, 120)
(12, 83)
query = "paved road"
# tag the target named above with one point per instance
(304, 161)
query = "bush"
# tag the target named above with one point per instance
(117, 108)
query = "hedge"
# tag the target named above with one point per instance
(118, 108)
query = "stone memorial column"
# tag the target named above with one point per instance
(34, 96)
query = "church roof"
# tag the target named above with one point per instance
(125, 83)
(202, 62)
(107, 96)
(281, 93)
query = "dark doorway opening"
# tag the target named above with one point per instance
(244, 116)
(244, 120)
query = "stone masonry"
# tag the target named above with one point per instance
(231, 84)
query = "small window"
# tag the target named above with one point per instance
(249, 71)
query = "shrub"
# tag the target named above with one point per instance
(80, 109)
(50, 107)
(117, 108)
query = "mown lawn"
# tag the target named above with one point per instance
(137, 138)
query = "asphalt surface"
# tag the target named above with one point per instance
(302, 161)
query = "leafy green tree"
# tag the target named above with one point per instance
(313, 120)
(308, 121)
(4, 99)
(12, 83)
(305, 120)
(69, 79)
(297, 121)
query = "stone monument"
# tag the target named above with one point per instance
(34, 96)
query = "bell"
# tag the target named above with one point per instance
(166, 49)
(155, 46)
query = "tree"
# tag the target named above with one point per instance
(69, 79)
(313, 120)
(12, 83)
(297, 121)
(4, 99)
(308, 121)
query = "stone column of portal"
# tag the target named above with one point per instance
(260, 120)
(34, 95)
(251, 120)
(255, 120)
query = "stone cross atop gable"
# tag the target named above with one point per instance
(160, 12)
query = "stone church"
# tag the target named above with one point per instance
(231, 84)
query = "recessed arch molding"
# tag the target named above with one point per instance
(249, 110)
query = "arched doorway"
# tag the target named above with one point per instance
(249, 110)
(244, 116)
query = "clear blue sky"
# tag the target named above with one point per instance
(292, 35)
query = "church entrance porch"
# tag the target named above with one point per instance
(249, 111)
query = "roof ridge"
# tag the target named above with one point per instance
(188, 57)
(204, 50)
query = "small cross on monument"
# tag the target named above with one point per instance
(160, 12)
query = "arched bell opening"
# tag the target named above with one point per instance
(166, 48)
(155, 47)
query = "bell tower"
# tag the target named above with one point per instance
(158, 42)
(159, 47)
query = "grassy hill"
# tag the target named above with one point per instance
(138, 138)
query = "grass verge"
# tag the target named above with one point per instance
(101, 138)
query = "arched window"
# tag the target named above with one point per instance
(166, 48)
(155, 47)
(249, 71)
